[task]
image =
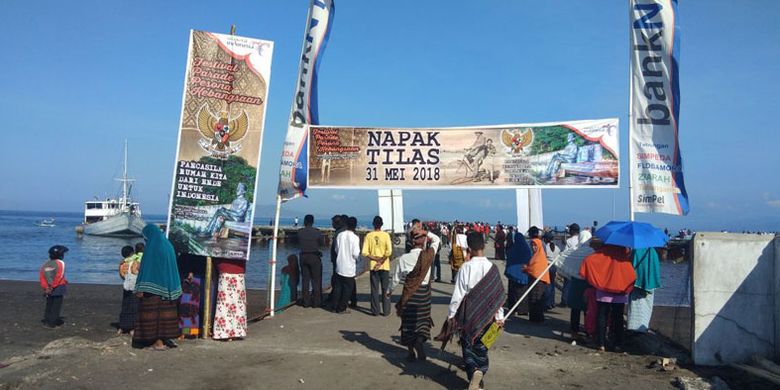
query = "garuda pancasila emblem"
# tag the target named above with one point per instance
(221, 135)
(517, 140)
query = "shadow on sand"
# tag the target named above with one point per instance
(396, 355)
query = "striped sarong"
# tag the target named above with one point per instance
(129, 313)
(480, 305)
(416, 321)
(158, 319)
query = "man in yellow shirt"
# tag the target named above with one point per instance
(377, 247)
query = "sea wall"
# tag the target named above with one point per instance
(735, 280)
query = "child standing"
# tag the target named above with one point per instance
(128, 270)
(54, 285)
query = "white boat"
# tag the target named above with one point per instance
(114, 217)
(46, 222)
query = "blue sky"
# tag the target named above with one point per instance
(76, 78)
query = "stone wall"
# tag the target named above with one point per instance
(735, 279)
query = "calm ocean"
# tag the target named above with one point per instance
(24, 246)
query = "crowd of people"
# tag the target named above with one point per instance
(162, 291)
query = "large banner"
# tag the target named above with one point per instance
(655, 161)
(546, 155)
(294, 165)
(220, 137)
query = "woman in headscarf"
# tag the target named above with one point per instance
(517, 258)
(537, 269)
(158, 288)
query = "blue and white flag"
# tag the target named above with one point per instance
(655, 162)
(295, 162)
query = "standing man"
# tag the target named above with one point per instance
(310, 241)
(338, 222)
(378, 248)
(414, 307)
(476, 302)
(348, 253)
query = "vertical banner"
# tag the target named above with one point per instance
(529, 209)
(220, 137)
(655, 161)
(295, 162)
(391, 209)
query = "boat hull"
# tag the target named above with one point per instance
(122, 225)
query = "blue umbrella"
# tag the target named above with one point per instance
(632, 235)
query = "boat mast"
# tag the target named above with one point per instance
(124, 180)
(125, 200)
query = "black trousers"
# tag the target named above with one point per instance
(311, 276)
(613, 312)
(342, 289)
(51, 316)
(379, 283)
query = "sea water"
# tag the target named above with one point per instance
(90, 259)
(24, 247)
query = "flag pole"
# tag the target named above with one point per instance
(272, 261)
(630, 116)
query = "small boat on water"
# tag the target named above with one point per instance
(46, 222)
(113, 217)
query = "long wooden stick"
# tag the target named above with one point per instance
(207, 300)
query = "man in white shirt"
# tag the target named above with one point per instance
(476, 301)
(348, 253)
(413, 269)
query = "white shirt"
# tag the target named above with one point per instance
(460, 240)
(348, 253)
(572, 242)
(406, 263)
(553, 253)
(469, 275)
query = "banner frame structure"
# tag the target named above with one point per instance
(615, 152)
(656, 181)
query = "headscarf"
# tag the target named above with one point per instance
(648, 269)
(159, 274)
(519, 255)
(537, 267)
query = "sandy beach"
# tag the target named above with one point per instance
(312, 348)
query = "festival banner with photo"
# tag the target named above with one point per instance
(655, 162)
(578, 154)
(220, 139)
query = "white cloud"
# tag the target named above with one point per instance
(771, 201)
